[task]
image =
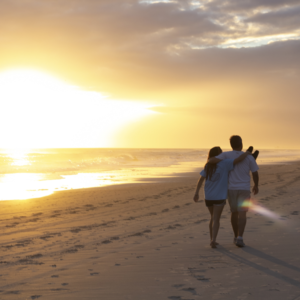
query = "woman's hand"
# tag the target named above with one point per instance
(196, 197)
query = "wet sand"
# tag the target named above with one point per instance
(150, 241)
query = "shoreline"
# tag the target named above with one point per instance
(143, 180)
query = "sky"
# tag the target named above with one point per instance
(153, 74)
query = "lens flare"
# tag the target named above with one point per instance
(253, 206)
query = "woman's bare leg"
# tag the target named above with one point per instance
(217, 212)
(211, 211)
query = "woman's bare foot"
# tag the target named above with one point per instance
(216, 243)
(213, 244)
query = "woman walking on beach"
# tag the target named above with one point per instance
(215, 189)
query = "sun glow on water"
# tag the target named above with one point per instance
(37, 173)
(19, 157)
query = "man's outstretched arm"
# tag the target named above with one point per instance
(255, 179)
(214, 160)
(241, 157)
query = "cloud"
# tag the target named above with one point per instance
(284, 20)
(229, 53)
(110, 37)
(248, 6)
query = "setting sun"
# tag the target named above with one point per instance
(39, 110)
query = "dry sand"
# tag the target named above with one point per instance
(149, 241)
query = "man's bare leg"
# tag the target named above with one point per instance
(235, 223)
(242, 220)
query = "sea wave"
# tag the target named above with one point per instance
(73, 161)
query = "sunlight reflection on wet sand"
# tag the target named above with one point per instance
(24, 186)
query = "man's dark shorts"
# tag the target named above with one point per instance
(239, 200)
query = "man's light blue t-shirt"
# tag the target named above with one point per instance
(216, 188)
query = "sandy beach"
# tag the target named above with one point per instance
(150, 241)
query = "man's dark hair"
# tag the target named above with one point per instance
(235, 141)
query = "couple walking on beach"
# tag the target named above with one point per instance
(227, 176)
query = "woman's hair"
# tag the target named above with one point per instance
(210, 169)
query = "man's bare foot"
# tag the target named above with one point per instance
(213, 244)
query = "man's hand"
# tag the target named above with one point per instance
(255, 180)
(255, 190)
(196, 197)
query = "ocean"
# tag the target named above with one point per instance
(32, 173)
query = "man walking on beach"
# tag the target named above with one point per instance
(239, 187)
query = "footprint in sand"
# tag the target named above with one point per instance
(171, 227)
(202, 278)
(151, 214)
(165, 210)
(106, 242)
(55, 276)
(93, 274)
(12, 225)
(89, 207)
(55, 215)
(37, 214)
(35, 297)
(178, 285)
(45, 237)
(200, 221)
(295, 213)
(136, 234)
(33, 220)
(191, 290)
(12, 292)
(176, 206)
(64, 283)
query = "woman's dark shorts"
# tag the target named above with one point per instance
(215, 202)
